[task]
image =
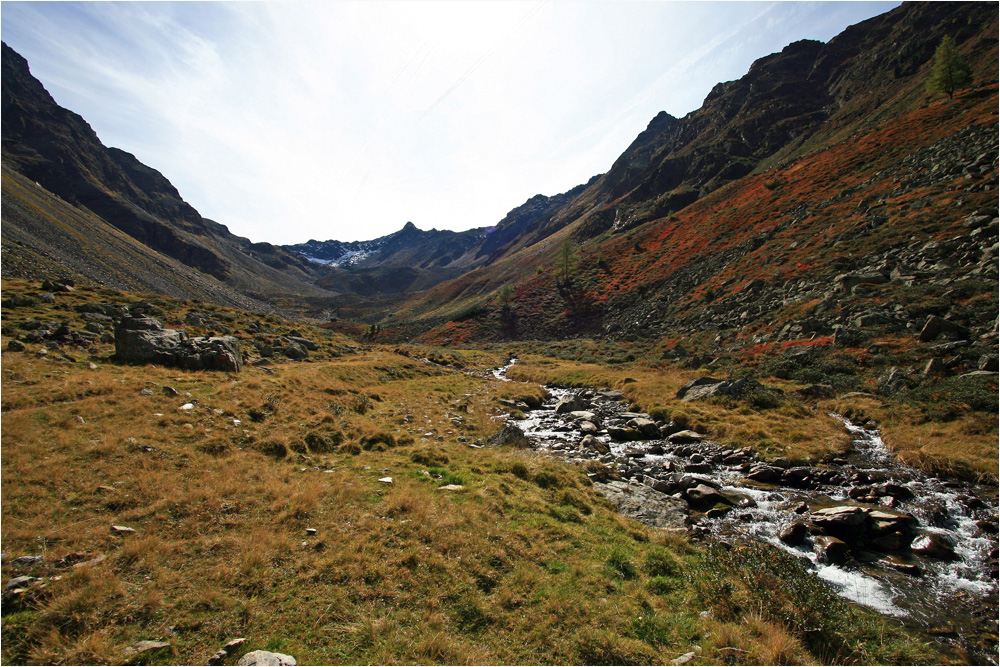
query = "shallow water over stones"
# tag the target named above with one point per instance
(884, 535)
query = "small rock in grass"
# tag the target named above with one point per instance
(16, 346)
(19, 582)
(27, 561)
(683, 659)
(451, 487)
(311, 531)
(122, 530)
(385, 480)
(145, 646)
(186, 407)
(265, 658)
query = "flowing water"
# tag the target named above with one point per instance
(953, 600)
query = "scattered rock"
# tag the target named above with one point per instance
(24, 562)
(686, 436)
(571, 403)
(451, 487)
(385, 480)
(934, 545)
(831, 550)
(266, 659)
(16, 346)
(122, 530)
(795, 534)
(510, 436)
(144, 646)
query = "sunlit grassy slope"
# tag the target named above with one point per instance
(524, 563)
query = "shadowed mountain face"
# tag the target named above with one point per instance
(59, 151)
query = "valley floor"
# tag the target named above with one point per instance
(345, 509)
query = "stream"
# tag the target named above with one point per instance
(919, 548)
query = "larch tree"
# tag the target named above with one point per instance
(949, 72)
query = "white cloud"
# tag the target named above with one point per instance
(297, 120)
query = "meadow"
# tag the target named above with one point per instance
(345, 509)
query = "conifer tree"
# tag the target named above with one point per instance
(950, 72)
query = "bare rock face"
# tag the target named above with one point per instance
(144, 340)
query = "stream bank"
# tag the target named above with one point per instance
(919, 548)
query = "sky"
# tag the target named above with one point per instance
(291, 121)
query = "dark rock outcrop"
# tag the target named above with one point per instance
(144, 340)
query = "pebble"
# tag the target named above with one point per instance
(122, 530)
(386, 480)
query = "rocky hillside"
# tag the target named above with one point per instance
(58, 150)
(876, 209)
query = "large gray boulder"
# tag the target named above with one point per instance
(645, 505)
(144, 340)
(707, 387)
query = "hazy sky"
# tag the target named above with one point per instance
(288, 121)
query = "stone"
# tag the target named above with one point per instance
(122, 530)
(683, 659)
(144, 340)
(16, 346)
(936, 326)
(686, 436)
(647, 427)
(144, 646)
(583, 416)
(703, 496)
(816, 391)
(987, 362)
(295, 351)
(19, 582)
(765, 474)
(266, 659)
(645, 505)
(619, 434)
(572, 403)
(846, 522)
(933, 366)
(510, 436)
(309, 345)
(27, 561)
(934, 545)
(594, 444)
(831, 550)
(385, 480)
(795, 534)
(900, 565)
(451, 487)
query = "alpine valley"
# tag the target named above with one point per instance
(733, 401)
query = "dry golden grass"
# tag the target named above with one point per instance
(525, 564)
(965, 446)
